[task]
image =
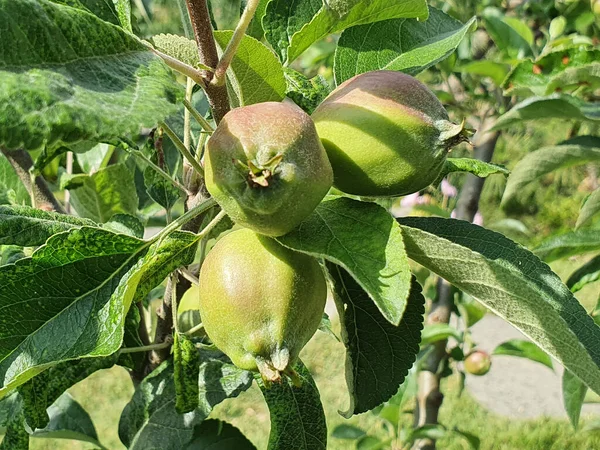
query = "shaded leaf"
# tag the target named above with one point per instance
(513, 283)
(186, 361)
(573, 394)
(363, 239)
(511, 37)
(524, 349)
(297, 417)
(215, 434)
(107, 192)
(68, 420)
(406, 45)
(379, 354)
(555, 106)
(590, 208)
(11, 418)
(588, 273)
(576, 151)
(292, 27)
(497, 71)
(12, 189)
(568, 244)
(69, 76)
(29, 227)
(150, 420)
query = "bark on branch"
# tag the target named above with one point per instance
(39, 191)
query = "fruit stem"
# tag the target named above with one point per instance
(201, 120)
(238, 35)
(145, 348)
(185, 218)
(182, 148)
(194, 329)
(174, 305)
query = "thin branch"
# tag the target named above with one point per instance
(39, 191)
(182, 148)
(174, 304)
(161, 172)
(207, 50)
(194, 329)
(145, 348)
(188, 275)
(201, 120)
(180, 67)
(238, 35)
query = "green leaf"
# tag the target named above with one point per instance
(12, 189)
(34, 395)
(186, 361)
(297, 417)
(511, 37)
(105, 9)
(568, 244)
(406, 45)
(159, 189)
(554, 72)
(495, 70)
(292, 27)
(366, 241)
(48, 154)
(89, 263)
(11, 418)
(150, 420)
(573, 394)
(105, 193)
(256, 75)
(68, 420)
(588, 273)
(95, 158)
(306, 93)
(379, 354)
(349, 432)
(179, 47)
(524, 349)
(29, 227)
(590, 208)
(513, 283)
(215, 434)
(125, 224)
(123, 8)
(439, 332)
(575, 151)
(69, 76)
(555, 106)
(478, 168)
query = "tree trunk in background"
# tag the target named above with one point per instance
(429, 396)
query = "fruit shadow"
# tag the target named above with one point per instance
(360, 118)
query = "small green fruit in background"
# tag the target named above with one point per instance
(260, 302)
(266, 167)
(386, 134)
(478, 362)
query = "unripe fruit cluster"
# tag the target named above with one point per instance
(268, 166)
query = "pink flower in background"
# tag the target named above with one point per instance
(447, 189)
(407, 203)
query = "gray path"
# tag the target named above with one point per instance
(516, 387)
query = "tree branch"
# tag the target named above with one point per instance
(39, 191)
(207, 50)
(429, 396)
